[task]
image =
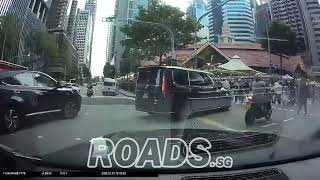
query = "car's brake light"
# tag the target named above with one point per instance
(164, 85)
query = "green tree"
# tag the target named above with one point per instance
(132, 58)
(108, 70)
(9, 36)
(86, 73)
(280, 30)
(43, 45)
(153, 40)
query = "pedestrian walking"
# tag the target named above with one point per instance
(278, 92)
(292, 92)
(303, 93)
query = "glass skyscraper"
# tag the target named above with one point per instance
(238, 14)
(196, 9)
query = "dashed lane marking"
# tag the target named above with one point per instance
(213, 123)
(290, 119)
(269, 125)
(40, 137)
(78, 139)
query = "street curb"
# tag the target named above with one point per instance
(107, 101)
(125, 94)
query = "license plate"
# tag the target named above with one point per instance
(145, 96)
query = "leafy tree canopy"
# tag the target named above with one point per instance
(108, 70)
(154, 40)
(86, 72)
(9, 35)
(279, 30)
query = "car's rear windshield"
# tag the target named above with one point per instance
(148, 76)
(108, 83)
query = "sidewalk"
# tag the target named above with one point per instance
(127, 93)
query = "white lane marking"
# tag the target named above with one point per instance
(290, 119)
(291, 110)
(78, 139)
(12, 134)
(268, 125)
(40, 137)
(280, 108)
(286, 109)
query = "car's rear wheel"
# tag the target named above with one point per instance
(268, 115)
(70, 110)
(226, 108)
(11, 120)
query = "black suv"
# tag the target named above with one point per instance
(24, 94)
(179, 91)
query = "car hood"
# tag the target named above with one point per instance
(247, 149)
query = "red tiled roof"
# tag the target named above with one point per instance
(240, 46)
(260, 58)
(252, 55)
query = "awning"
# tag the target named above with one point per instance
(235, 64)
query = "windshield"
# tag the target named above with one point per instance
(109, 83)
(220, 77)
(148, 75)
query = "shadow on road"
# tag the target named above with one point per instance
(161, 118)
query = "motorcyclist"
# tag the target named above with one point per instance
(261, 92)
(90, 90)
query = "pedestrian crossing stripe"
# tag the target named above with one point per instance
(213, 123)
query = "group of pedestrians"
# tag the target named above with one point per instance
(285, 92)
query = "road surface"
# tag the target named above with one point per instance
(47, 135)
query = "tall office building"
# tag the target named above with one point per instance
(31, 16)
(195, 10)
(91, 5)
(57, 24)
(58, 15)
(310, 10)
(124, 9)
(72, 20)
(262, 18)
(287, 11)
(238, 14)
(75, 26)
(215, 20)
(110, 39)
(84, 37)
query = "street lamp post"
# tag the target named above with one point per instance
(199, 20)
(4, 44)
(269, 51)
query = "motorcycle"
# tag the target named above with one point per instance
(89, 92)
(257, 109)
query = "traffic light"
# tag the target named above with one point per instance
(108, 19)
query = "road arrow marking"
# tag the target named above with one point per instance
(288, 119)
(269, 125)
(213, 123)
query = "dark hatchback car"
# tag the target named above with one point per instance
(178, 91)
(24, 94)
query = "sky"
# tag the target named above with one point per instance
(99, 48)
